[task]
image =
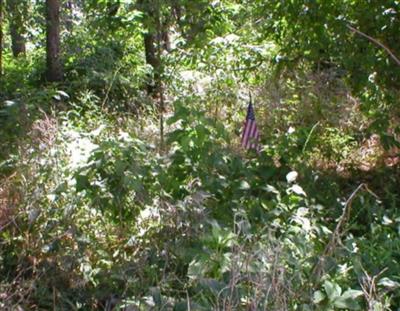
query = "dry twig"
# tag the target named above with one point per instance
(338, 232)
(377, 42)
(368, 286)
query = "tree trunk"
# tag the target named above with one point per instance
(150, 38)
(152, 60)
(54, 68)
(1, 38)
(17, 42)
(15, 12)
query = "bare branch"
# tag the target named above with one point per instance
(377, 42)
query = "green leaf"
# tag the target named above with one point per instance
(62, 93)
(318, 296)
(156, 294)
(333, 290)
(298, 190)
(120, 167)
(386, 282)
(212, 285)
(271, 189)
(196, 269)
(82, 182)
(291, 177)
(244, 185)
(352, 293)
(346, 303)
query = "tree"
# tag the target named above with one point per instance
(1, 37)
(356, 40)
(16, 10)
(151, 23)
(54, 68)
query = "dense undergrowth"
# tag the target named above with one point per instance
(94, 215)
(99, 212)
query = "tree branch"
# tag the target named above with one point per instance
(377, 42)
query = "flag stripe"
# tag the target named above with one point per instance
(247, 136)
(251, 135)
(245, 132)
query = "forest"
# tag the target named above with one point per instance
(194, 155)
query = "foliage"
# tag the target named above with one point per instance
(317, 33)
(113, 197)
(199, 223)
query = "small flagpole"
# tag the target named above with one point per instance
(250, 99)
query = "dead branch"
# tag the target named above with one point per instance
(377, 42)
(338, 232)
(368, 286)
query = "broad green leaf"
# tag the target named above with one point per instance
(346, 303)
(352, 293)
(271, 189)
(333, 290)
(298, 190)
(318, 296)
(82, 182)
(244, 185)
(292, 177)
(63, 94)
(386, 282)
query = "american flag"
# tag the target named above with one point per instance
(251, 135)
